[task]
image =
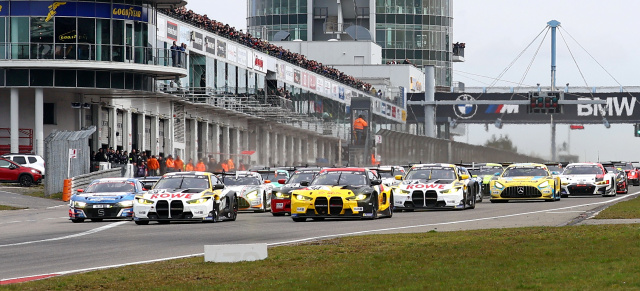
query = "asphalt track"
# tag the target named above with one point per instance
(41, 241)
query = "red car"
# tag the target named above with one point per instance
(14, 173)
(281, 197)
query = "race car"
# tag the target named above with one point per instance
(273, 175)
(485, 172)
(525, 181)
(621, 178)
(633, 175)
(254, 194)
(428, 186)
(186, 196)
(342, 193)
(106, 198)
(388, 174)
(588, 179)
(281, 197)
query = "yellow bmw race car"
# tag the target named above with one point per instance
(342, 193)
(527, 181)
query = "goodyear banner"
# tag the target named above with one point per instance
(51, 9)
(620, 107)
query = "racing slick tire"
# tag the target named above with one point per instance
(390, 213)
(636, 182)
(97, 219)
(317, 218)
(215, 213)
(25, 180)
(299, 219)
(278, 213)
(374, 207)
(77, 220)
(472, 205)
(564, 195)
(141, 222)
(234, 211)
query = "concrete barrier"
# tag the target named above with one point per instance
(235, 253)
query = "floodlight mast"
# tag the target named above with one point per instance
(553, 24)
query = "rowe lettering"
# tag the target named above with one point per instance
(172, 196)
(425, 186)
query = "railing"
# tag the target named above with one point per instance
(93, 52)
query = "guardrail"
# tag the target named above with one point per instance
(398, 148)
(82, 181)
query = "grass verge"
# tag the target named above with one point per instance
(6, 207)
(538, 258)
(34, 191)
(629, 209)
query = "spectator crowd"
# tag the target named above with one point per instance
(151, 165)
(204, 22)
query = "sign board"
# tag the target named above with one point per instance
(73, 153)
(620, 107)
(378, 139)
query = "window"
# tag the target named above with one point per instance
(86, 38)
(65, 38)
(65, 78)
(32, 160)
(19, 37)
(19, 160)
(17, 77)
(41, 77)
(86, 79)
(4, 164)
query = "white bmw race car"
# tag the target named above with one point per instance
(587, 179)
(186, 196)
(435, 186)
(253, 192)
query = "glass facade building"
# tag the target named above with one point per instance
(419, 31)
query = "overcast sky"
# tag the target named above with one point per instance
(601, 35)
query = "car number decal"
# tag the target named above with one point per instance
(357, 209)
(279, 205)
(300, 209)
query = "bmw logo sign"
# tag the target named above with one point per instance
(465, 111)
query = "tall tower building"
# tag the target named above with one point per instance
(419, 31)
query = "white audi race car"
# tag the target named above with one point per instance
(435, 186)
(253, 192)
(587, 179)
(186, 196)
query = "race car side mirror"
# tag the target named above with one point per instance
(497, 174)
(281, 181)
(267, 181)
(145, 189)
(464, 177)
(304, 183)
(218, 187)
(375, 182)
(398, 177)
(555, 173)
(80, 190)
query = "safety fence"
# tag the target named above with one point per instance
(67, 154)
(399, 148)
(82, 181)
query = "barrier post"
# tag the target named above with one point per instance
(66, 190)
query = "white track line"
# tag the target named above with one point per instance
(326, 237)
(68, 236)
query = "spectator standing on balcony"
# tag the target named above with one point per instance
(175, 54)
(153, 165)
(406, 62)
(179, 164)
(358, 126)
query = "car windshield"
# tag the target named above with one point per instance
(583, 170)
(612, 169)
(487, 171)
(183, 182)
(626, 166)
(300, 177)
(240, 180)
(528, 171)
(386, 174)
(115, 186)
(431, 173)
(340, 178)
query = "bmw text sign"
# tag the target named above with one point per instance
(620, 107)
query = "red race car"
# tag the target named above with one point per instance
(633, 175)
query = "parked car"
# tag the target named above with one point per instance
(28, 160)
(12, 172)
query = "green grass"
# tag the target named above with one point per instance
(590, 257)
(5, 207)
(629, 209)
(34, 191)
